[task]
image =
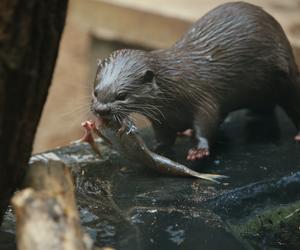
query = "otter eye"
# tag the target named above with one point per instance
(148, 76)
(121, 97)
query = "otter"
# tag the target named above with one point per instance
(236, 56)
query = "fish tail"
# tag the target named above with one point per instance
(210, 177)
(166, 165)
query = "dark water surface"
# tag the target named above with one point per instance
(126, 206)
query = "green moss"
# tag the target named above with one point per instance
(275, 227)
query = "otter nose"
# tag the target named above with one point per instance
(103, 110)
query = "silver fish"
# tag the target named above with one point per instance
(126, 140)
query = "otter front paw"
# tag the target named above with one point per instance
(197, 154)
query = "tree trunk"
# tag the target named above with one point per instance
(30, 31)
(46, 213)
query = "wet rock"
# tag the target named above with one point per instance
(127, 206)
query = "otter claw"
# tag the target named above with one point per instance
(197, 153)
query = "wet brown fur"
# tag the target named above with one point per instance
(236, 56)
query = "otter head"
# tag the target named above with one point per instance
(124, 83)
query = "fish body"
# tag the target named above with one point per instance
(126, 140)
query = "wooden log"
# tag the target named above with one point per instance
(46, 213)
(30, 32)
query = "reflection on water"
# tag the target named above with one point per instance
(176, 235)
(126, 206)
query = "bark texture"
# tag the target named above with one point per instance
(46, 213)
(30, 32)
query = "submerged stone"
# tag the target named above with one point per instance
(127, 206)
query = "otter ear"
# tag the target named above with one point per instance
(99, 61)
(148, 76)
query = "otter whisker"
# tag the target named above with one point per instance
(144, 111)
(82, 111)
(157, 109)
(150, 115)
(152, 109)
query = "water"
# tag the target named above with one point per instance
(126, 206)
